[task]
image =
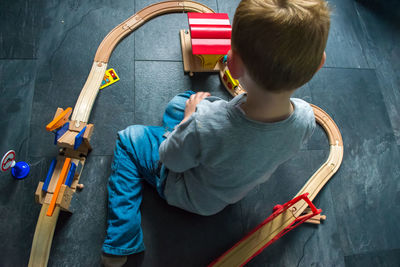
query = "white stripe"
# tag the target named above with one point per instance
(211, 41)
(209, 22)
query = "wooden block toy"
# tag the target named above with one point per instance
(73, 127)
(47, 198)
(40, 194)
(64, 198)
(68, 139)
(71, 175)
(58, 112)
(61, 132)
(49, 175)
(79, 139)
(88, 133)
(55, 175)
(317, 219)
(60, 120)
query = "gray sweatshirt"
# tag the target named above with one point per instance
(218, 155)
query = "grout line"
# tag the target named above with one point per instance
(22, 58)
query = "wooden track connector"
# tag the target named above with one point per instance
(77, 138)
(59, 120)
(317, 219)
(64, 198)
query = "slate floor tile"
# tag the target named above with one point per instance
(381, 258)
(383, 53)
(228, 6)
(16, 94)
(354, 101)
(368, 183)
(21, 22)
(346, 41)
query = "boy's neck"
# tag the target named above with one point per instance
(265, 106)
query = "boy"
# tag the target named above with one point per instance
(210, 153)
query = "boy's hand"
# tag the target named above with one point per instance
(192, 102)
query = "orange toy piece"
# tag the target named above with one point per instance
(60, 120)
(61, 180)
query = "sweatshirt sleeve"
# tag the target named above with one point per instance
(311, 125)
(180, 151)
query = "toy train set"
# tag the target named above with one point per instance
(203, 49)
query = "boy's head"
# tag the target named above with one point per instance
(280, 42)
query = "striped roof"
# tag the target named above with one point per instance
(210, 33)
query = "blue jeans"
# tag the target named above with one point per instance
(136, 160)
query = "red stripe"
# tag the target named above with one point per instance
(192, 15)
(211, 46)
(210, 33)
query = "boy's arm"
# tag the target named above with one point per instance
(191, 104)
(180, 151)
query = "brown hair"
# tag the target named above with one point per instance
(281, 42)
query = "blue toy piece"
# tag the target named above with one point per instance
(60, 132)
(79, 138)
(20, 170)
(71, 175)
(225, 59)
(49, 174)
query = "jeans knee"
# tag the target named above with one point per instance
(131, 132)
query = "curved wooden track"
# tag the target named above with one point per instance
(254, 243)
(89, 92)
(43, 237)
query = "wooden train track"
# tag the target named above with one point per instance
(248, 247)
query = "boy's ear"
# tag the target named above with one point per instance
(235, 64)
(322, 61)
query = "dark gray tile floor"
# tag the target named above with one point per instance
(47, 48)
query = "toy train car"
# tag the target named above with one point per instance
(230, 82)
